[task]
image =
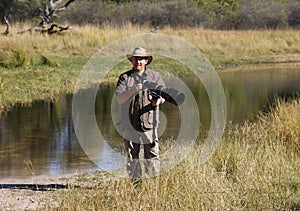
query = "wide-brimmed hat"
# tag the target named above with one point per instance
(140, 52)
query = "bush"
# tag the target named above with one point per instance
(262, 14)
(294, 15)
(171, 13)
(221, 14)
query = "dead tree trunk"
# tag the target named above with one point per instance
(47, 24)
(6, 32)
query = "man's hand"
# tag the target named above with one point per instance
(124, 97)
(157, 102)
(136, 88)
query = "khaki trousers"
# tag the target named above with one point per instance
(151, 159)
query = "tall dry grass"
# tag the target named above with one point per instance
(255, 168)
(78, 40)
(279, 45)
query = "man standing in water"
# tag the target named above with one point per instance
(140, 110)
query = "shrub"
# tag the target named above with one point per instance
(262, 14)
(294, 15)
(221, 14)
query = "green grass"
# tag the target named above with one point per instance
(256, 167)
(44, 78)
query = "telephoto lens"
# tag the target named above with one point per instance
(169, 94)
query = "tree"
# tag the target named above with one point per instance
(5, 7)
(49, 12)
(222, 12)
(26, 9)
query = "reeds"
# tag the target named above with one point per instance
(255, 168)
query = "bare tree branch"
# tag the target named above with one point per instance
(53, 5)
(67, 4)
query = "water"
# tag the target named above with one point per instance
(43, 133)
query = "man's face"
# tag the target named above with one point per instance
(139, 63)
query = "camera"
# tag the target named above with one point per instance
(169, 94)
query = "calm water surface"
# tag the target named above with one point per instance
(43, 133)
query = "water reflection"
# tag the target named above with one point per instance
(43, 132)
(250, 92)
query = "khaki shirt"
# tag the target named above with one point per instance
(144, 113)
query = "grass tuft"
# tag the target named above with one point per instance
(13, 58)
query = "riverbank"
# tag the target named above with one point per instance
(41, 192)
(256, 167)
(36, 67)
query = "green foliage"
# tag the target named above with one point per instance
(218, 6)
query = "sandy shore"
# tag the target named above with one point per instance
(37, 192)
